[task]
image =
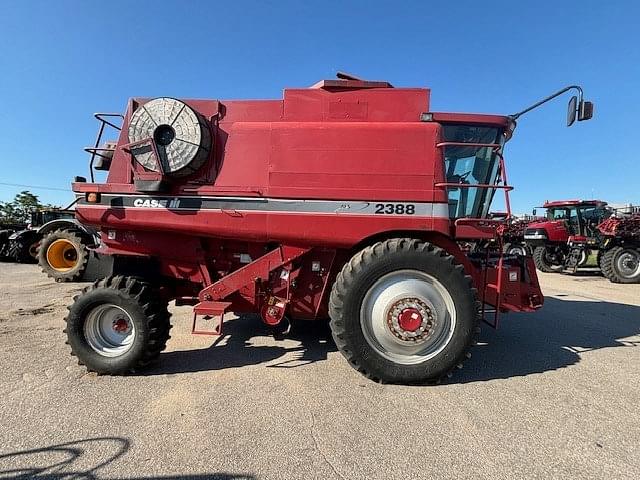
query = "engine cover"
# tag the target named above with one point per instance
(181, 135)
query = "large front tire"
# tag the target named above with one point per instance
(544, 262)
(118, 325)
(621, 265)
(403, 312)
(516, 249)
(19, 250)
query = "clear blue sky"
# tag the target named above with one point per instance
(61, 61)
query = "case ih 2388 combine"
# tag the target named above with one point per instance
(348, 199)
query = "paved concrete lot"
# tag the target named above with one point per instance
(549, 395)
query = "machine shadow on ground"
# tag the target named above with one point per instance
(524, 344)
(82, 459)
(312, 343)
(550, 339)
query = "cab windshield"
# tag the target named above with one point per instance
(581, 220)
(562, 213)
(471, 165)
(569, 215)
(39, 218)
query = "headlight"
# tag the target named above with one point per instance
(535, 234)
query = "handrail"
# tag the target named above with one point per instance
(497, 150)
(101, 117)
(129, 147)
(97, 151)
(496, 147)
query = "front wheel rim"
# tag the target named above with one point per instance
(628, 264)
(109, 330)
(62, 255)
(408, 317)
(583, 258)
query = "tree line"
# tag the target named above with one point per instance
(19, 209)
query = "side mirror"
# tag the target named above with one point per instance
(585, 111)
(572, 110)
(577, 106)
(534, 212)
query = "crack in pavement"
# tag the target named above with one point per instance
(317, 445)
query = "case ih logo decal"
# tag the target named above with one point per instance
(264, 204)
(153, 203)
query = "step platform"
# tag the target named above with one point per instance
(212, 313)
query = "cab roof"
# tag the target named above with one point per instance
(572, 203)
(472, 118)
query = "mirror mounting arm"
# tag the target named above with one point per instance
(550, 97)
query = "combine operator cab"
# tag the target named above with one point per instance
(350, 199)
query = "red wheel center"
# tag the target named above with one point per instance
(410, 319)
(120, 325)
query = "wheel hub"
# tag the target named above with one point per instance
(120, 325)
(629, 264)
(109, 330)
(410, 320)
(33, 249)
(408, 316)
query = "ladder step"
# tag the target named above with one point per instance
(212, 309)
(209, 309)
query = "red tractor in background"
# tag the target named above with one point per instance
(576, 229)
(513, 235)
(348, 200)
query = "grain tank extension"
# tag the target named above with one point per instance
(350, 199)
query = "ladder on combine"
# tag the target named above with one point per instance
(503, 185)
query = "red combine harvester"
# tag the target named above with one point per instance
(346, 200)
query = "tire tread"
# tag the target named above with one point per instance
(373, 253)
(155, 311)
(73, 235)
(607, 265)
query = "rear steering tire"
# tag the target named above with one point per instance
(621, 265)
(403, 312)
(516, 249)
(118, 325)
(63, 255)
